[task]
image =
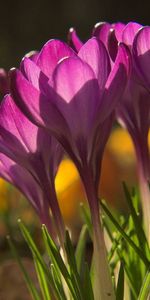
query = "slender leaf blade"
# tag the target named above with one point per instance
(31, 287)
(145, 289)
(42, 280)
(80, 249)
(120, 284)
(125, 236)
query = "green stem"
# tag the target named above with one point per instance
(103, 289)
(143, 164)
(145, 198)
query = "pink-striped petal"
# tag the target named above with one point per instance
(76, 83)
(40, 109)
(95, 54)
(129, 33)
(4, 84)
(22, 179)
(116, 82)
(118, 27)
(51, 53)
(141, 54)
(101, 31)
(74, 40)
(34, 75)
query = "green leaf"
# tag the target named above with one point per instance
(120, 284)
(73, 267)
(31, 287)
(145, 289)
(137, 223)
(80, 249)
(87, 284)
(58, 261)
(42, 280)
(125, 236)
(58, 284)
(36, 253)
(48, 244)
(128, 272)
(85, 214)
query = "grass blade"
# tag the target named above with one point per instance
(125, 236)
(42, 280)
(36, 253)
(87, 284)
(145, 289)
(80, 249)
(73, 267)
(138, 226)
(120, 284)
(58, 261)
(85, 215)
(58, 284)
(31, 287)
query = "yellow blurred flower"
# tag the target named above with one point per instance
(69, 191)
(120, 144)
(3, 195)
(118, 165)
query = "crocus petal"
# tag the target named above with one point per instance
(22, 179)
(11, 142)
(40, 109)
(34, 74)
(24, 142)
(33, 55)
(116, 82)
(101, 31)
(4, 85)
(22, 134)
(118, 27)
(134, 109)
(95, 54)
(112, 44)
(76, 83)
(74, 40)
(51, 53)
(129, 33)
(141, 54)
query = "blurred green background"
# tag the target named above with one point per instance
(26, 25)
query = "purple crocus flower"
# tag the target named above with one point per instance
(134, 110)
(73, 40)
(112, 34)
(4, 85)
(104, 32)
(141, 55)
(26, 183)
(74, 113)
(73, 96)
(33, 151)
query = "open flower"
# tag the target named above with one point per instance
(25, 182)
(73, 97)
(107, 33)
(34, 154)
(4, 84)
(134, 110)
(141, 55)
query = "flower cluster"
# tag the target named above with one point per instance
(65, 98)
(133, 111)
